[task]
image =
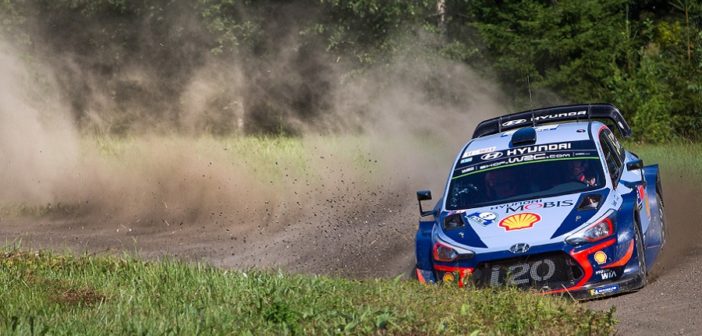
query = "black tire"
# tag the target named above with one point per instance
(661, 215)
(640, 255)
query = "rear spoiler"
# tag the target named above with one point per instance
(554, 114)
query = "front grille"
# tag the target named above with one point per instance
(541, 271)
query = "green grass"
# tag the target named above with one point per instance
(682, 159)
(42, 293)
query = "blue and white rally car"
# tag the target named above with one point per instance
(546, 199)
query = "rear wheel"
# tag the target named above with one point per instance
(640, 254)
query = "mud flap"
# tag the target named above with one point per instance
(423, 245)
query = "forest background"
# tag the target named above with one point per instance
(643, 56)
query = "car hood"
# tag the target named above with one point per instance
(534, 221)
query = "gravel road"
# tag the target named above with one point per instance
(371, 234)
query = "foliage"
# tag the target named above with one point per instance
(645, 56)
(639, 55)
(570, 45)
(370, 29)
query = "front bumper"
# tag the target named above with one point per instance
(594, 278)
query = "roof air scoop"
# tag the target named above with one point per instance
(523, 136)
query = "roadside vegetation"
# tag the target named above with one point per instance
(47, 294)
(678, 159)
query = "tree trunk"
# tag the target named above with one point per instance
(441, 12)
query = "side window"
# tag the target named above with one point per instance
(615, 144)
(611, 157)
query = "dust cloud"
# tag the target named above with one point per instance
(178, 179)
(38, 142)
(681, 199)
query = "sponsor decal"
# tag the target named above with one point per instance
(614, 141)
(479, 151)
(524, 155)
(519, 248)
(524, 158)
(606, 274)
(546, 117)
(561, 115)
(615, 200)
(513, 122)
(523, 273)
(492, 165)
(467, 170)
(520, 221)
(600, 257)
(547, 127)
(491, 156)
(539, 148)
(482, 218)
(449, 277)
(502, 206)
(604, 290)
(538, 129)
(533, 157)
(643, 199)
(538, 205)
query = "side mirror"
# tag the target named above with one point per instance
(635, 165)
(423, 195)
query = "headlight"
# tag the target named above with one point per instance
(600, 229)
(445, 253)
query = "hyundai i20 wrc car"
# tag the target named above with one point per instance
(549, 200)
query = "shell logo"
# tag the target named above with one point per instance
(520, 221)
(600, 257)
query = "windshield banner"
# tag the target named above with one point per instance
(484, 160)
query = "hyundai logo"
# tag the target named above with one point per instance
(491, 156)
(519, 248)
(513, 122)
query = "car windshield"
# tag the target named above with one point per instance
(500, 177)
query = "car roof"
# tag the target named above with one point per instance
(550, 133)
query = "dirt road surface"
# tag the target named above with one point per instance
(370, 234)
(671, 304)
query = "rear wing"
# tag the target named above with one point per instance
(554, 114)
